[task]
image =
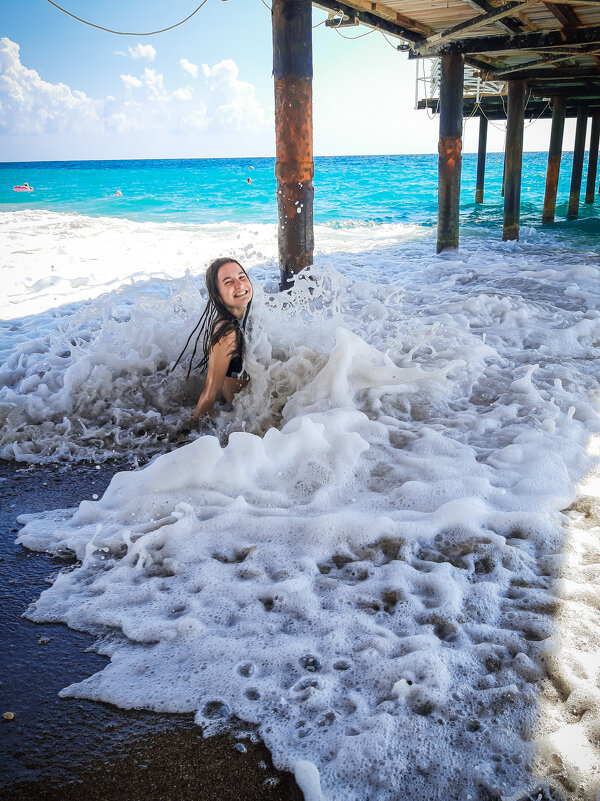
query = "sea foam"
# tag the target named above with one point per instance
(367, 560)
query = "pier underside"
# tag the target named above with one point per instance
(544, 55)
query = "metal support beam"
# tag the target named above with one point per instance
(550, 60)
(481, 151)
(373, 21)
(554, 156)
(593, 159)
(294, 167)
(469, 25)
(477, 45)
(514, 159)
(507, 23)
(450, 150)
(578, 153)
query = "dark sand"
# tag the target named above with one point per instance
(70, 749)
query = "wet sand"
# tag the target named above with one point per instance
(70, 749)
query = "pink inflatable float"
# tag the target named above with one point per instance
(23, 188)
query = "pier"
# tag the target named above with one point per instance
(539, 58)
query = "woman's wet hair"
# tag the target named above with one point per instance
(216, 320)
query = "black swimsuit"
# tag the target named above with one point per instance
(236, 369)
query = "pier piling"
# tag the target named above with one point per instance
(554, 156)
(450, 150)
(590, 188)
(481, 152)
(514, 159)
(578, 153)
(294, 166)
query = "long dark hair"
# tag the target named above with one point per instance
(216, 320)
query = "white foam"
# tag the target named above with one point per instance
(361, 558)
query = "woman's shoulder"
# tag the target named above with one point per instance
(225, 333)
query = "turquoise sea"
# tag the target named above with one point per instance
(359, 189)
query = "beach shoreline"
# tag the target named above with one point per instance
(72, 749)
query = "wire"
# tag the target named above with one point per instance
(501, 128)
(352, 38)
(387, 40)
(127, 33)
(532, 122)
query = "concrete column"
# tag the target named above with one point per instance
(294, 167)
(554, 156)
(481, 153)
(514, 159)
(578, 154)
(450, 150)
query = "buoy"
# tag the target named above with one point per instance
(23, 188)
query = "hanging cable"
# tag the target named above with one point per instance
(387, 40)
(352, 38)
(127, 33)
(532, 122)
(501, 128)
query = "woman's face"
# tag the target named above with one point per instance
(234, 288)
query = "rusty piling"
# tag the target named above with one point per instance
(577, 172)
(514, 159)
(554, 157)
(294, 166)
(593, 158)
(450, 150)
(481, 153)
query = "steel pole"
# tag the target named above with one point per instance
(514, 159)
(481, 153)
(450, 150)
(578, 154)
(294, 166)
(593, 158)
(554, 156)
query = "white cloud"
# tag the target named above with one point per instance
(235, 104)
(186, 65)
(131, 82)
(30, 105)
(143, 51)
(196, 121)
(154, 81)
(183, 94)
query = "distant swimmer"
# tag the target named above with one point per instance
(118, 193)
(248, 180)
(23, 188)
(222, 325)
(250, 167)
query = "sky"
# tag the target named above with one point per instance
(203, 90)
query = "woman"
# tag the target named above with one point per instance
(222, 323)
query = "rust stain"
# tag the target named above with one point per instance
(450, 150)
(294, 170)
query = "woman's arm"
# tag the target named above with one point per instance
(218, 362)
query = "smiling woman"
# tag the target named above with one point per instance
(222, 323)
